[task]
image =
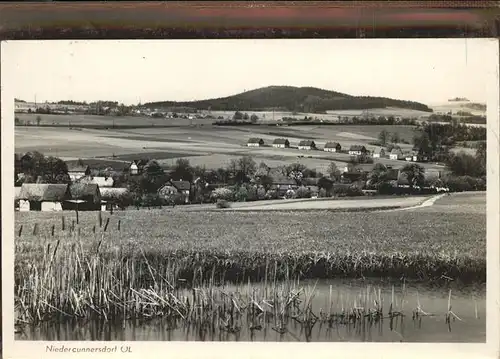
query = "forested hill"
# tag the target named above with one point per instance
(288, 98)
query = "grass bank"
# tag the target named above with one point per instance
(142, 263)
(237, 246)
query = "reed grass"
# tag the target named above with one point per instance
(239, 246)
(74, 277)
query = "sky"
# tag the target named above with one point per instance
(430, 71)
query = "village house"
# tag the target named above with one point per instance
(378, 153)
(418, 155)
(133, 169)
(332, 147)
(307, 145)
(102, 182)
(255, 142)
(111, 195)
(357, 150)
(283, 184)
(136, 167)
(77, 171)
(353, 175)
(420, 158)
(312, 185)
(84, 197)
(42, 196)
(176, 187)
(408, 156)
(396, 154)
(281, 143)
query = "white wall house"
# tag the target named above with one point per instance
(332, 147)
(307, 145)
(281, 143)
(255, 142)
(134, 169)
(396, 154)
(42, 197)
(77, 172)
(357, 150)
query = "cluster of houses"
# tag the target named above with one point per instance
(355, 150)
(93, 193)
(85, 192)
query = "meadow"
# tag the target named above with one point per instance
(103, 121)
(419, 244)
(212, 147)
(225, 272)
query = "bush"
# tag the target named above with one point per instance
(354, 191)
(322, 193)
(151, 200)
(223, 193)
(271, 194)
(221, 203)
(242, 194)
(261, 193)
(385, 188)
(290, 194)
(464, 183)
(303, 192)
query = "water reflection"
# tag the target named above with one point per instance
(337, 312)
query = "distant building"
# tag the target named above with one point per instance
(357, 150)
(418, 155)
(396, 154)
(176, 187)
(134, 169)
(283, 185)
(332, 147)
(408, 156)
(379, 152)
(307, 145)
(77, 172)
(102, 182)
(84, 197)
(255, 142)
(42, 196)
(111, 195)
(281, 143)
(137, 166)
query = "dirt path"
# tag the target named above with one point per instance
(317, 204)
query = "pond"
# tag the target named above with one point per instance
(324, 322)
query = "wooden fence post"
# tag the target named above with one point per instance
(106, 225)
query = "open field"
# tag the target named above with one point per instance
(330, 115)
(455, 106)
(464, 202)
(210, 146)
(94, 120)
(421, 243)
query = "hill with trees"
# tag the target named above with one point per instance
(289, 98)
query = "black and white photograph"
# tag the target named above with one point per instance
(250, 190)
